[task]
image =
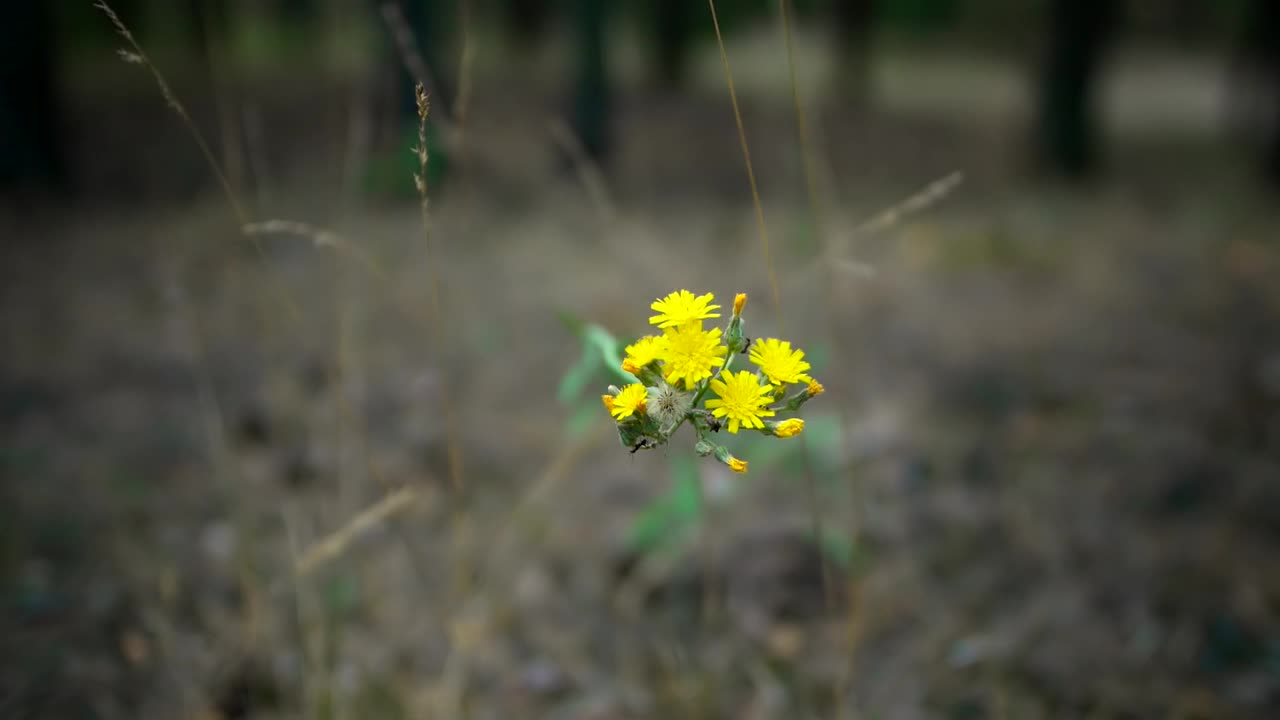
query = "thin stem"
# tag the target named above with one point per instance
(728, 362)
(746, 158)
(707, 384)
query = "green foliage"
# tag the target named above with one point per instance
(584, 415)
(341, 596)
(601, 357)
(379, 699)
(391, 174)
(669, 519)
(601, 354)
(998, 249)
(258, 41)
(920, 15)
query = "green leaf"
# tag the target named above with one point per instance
(586, 415)
(669, 517)
(578, 375)
(688, 492)
(838, 547)
(600, 351)
(610, 350)
(572, 322)
(341, 595)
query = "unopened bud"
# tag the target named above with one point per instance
(724, 456)
(788, 428)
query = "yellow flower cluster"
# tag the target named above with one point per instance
(685, 351)
(676, 368)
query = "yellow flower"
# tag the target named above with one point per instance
(682, 307)
(739, 301)
(779, 362)
(789, 428)
(644, 351)
(742, 400)
(690, 353)
(736, 465)
(815, 388)
(629, 402)
(608, 402)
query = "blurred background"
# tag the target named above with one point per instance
(276, 443)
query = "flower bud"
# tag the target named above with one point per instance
(787, 428)
(724, 456)
(733, 337)
(630, 435)
(813, 390)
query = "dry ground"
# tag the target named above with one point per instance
(1058, 466)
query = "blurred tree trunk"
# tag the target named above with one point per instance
(592, 103)
(526, 21)
(1079, 31)
(673, 23)
(205, 18)
(1189, 21)
(1262, 48)
(425, 21)
(853, 24)
(31, 150)
(296, 11)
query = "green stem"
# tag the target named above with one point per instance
(702, 390)
(707, 384)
